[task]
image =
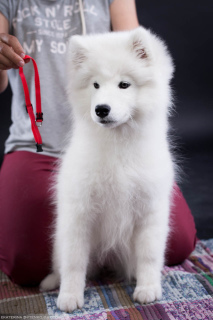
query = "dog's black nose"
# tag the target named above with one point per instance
(102, 110)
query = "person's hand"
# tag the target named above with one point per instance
(11, 53)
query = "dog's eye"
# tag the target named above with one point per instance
(124, 85)
(96, 85)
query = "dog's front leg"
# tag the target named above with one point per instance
(150, 241)
(74, 234)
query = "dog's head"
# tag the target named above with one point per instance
(117, 77)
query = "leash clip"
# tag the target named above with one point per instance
(39, 119)
(39, 147)
(28, 105)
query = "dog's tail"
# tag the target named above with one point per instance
(52, 281)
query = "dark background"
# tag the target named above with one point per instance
(187, 27)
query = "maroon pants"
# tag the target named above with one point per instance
(26, 216)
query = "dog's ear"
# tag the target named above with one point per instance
(139, 49)
(77, 51)
(138, 44)
(79, 57)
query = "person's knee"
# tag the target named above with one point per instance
(26, 221)
(26, 269)
(182, 238)
(180, 245)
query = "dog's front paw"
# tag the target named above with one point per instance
(70, 301)
(148, 293)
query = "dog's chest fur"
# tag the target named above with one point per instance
(118, 199)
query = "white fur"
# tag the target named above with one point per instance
(115, 181)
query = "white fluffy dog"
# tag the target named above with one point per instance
(115, 181)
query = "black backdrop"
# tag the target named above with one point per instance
(187, 28)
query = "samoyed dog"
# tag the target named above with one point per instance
(116, 177)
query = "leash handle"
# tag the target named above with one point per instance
(35, 121)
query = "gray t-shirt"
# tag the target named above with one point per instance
(43, 28)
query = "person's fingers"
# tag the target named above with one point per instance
(8, 47)
(9, 54)
(3, 67)
(12, 42)
(6, 64)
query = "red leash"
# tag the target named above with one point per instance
(35, 122)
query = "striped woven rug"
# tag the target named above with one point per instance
(187, 294)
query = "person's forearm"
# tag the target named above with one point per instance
(3, 80)
(123, 15)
